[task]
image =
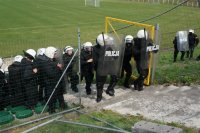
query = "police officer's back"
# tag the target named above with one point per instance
(40, 62)
(2, 85)
(52, 73)
(29, 78)
(15, 82)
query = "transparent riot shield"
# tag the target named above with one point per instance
(111, 56)
(140, 53)
(182, 41)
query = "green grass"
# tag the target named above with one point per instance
(40, 23)
(182, 72)
(123, 121)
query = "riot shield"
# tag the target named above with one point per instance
(111, 56)
(141, 53)
(182, 41)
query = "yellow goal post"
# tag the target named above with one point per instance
(150, 28)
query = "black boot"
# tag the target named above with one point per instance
(88, 89)
(98, 99)
(135, 85)
(126, 82)
(99, 93)
(187, 54)
(110, 90)
(182, 55)
(74, 88)
(140, 84)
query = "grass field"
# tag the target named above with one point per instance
(40, 23)
(122, 121)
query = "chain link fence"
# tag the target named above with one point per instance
(191, 3)
(32, 88)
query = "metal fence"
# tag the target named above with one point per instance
(171, 2)
(27, 96)
(25, 115)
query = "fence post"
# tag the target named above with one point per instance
(58, 82)
(79, 64)
(157, 42)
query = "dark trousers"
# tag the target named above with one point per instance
(58, 95)
(88, 80)
(143, 73)
(100, 81)
(40, 93)
(176, 54)
(128, 69)
(60, 99)
(74, 79)
(31, 93)
(190, 52)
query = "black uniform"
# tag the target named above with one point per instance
(74, 79)
(126, 64)
(193, 42)
(141, 58)
(176, 50)
(100, 80)
(2, 90)
(87, 69)
(15, 84)
(40, 62)
(29, 82)
(51, 76)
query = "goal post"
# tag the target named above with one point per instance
(125, 27)
(95, 3)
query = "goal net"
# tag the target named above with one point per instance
(95, 3)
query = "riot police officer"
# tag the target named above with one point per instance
(127, 58)
(29, 78)
(87, 66)
(141, 57)
(15, 82)
(176, 50)
(2, 86)
(52, 72)
(39, 62)
(193, 41)
(98, 52)
(71, 73)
